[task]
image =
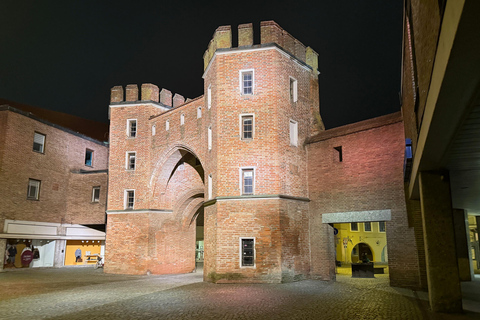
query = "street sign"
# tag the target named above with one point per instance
(335, 231)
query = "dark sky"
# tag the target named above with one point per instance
(66, 55)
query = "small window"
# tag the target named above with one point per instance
(167, 125)
(247, 181)
(131, 160)
(95, 194)
(354, 226)
(247, 127)
(132, 128)
(210, 186)
(209, 96)
(293, 90)
(199, 112)
(129, 199)
(154, 130)
(367, 226)
(209, 138)
(381, 226)
(293, 133)
(246, 78)
(182, 119)
(33, 191)
(247, 252)
(89, 157)
(39, 142)
(340, 153)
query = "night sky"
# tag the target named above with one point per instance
(66, 55)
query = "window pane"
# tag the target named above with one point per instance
(247, 82)
(368, 226)
(248, 252)
(96, 194)
(38, 142)
(354, 226)
(33, 189)
(133, 128)
(247, 127)
(248, 182)
(381, 226)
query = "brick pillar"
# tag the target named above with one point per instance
(3, 247)
(444, 289)
(245, 35)
(59, 258)
(116, 94)
(166, 97)
(178, 100)
(461, 243)
(132, 92)
(149, 92)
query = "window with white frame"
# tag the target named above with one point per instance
(33, 191)
(39, 142)
(89, 157)
(130, 161)
(293, 133)
(354, 226)
(246, 126)
(209, 138)
(199, 112)
(247, 181)
(132, 128)
(167, 125)
(210, 186)
(129, 199)
(246, 82)
(95, 194)
(209, 96)
(381, 226)
(182, 119)
(293, 90)
(367, 226)
(247, 252)
(154, 130)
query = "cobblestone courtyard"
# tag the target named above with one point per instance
(85, 293)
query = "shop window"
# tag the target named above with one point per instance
(247, 252)
(33, 191)
(39, 142)
(95, 194)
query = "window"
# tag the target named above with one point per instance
(247, 127)
(39, 142)
(209, 138)
(209, 96)
(381, 226)
(182, 119)
(132, 128)
(154, 130)
(167, 125)
(199, 112)
(130, 165)
(210, 186)
(340, 153)
(89, 157)
(293, 90)
(367, 226)
(247, 181)
(246, 82)
(247, 252)
(293, 133)
(95, 194)
(354, 226)
(129, 199)
(33, 191)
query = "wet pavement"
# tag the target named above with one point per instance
(86, 293)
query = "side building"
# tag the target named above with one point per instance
(53, 182)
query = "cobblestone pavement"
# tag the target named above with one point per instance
(85, 293)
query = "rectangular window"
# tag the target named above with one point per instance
(210, 186)
(39, 142)
(167, 125)
(209, 96)
(154, 129)
(340, 153)
(246, 79)
(247, 252)
(209, 138)
(293, 133)
(129, 199)
(130, 160)
(247, 181)
(247, 127)
(367, 226)
(89, 157)
(354, 226)
(199, 112)
(381, 226)
(95, 194)
(132, 128)
(293, 90)
(182, 119)
(33, 191)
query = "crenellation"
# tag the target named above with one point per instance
(166, 97)
(150, 92)
(178, 100)
(116, 94)
(131, 92)
(245, 34)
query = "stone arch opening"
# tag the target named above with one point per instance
(360, 250)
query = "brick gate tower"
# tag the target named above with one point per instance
(234, 157)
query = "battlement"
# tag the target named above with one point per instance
(149, 92)
(270, 32)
